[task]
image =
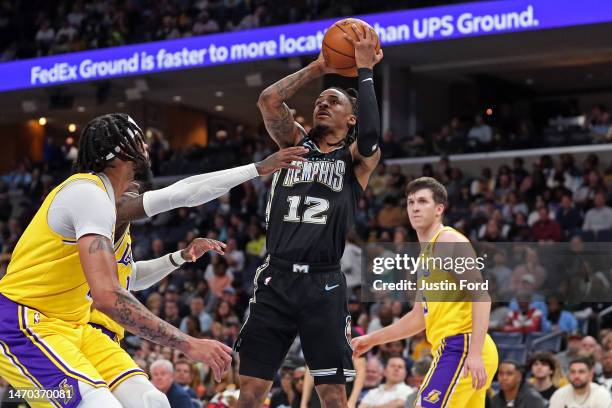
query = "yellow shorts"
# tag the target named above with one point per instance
(111, 361)
(44, 353)
(444, 386)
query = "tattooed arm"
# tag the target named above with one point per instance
(276, 114)
(100, 268)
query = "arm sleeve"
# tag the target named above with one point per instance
(148, 273)
(82, 208)
(196, 190)
(369, 118)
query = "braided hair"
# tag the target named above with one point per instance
(107, 137)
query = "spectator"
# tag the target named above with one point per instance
(527, 319)
(197, 311)
(545, 228)
(605, 379)
(568, 216)
(384, 319)
(374, 375)
(542, 366)
(481, 134)
(600, 216)
(532, 267)
(415, 380)
(394, 392)
(217, 276)
(558, 319)
(513, 390)
(581, 391)
(183, 376)
(391, 215)
(171, 313)
(573, 348)
(285, 395)
(162, 376)
(234, 257)
(589, 347)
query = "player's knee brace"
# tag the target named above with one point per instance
(138, 392)
(92, 397)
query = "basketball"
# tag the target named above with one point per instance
(338, 52)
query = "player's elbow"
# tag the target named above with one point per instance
(103, 300)
(267, 98)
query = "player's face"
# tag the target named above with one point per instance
(422, 209)
(580, 375)
(333, 109)
(540, 370)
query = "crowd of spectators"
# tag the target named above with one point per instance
(42, 27)
(557, 200)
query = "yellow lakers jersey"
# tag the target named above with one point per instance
(45, 271)
(447, 312)
(123, 254)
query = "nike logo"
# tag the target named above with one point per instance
(368, 79)
(328, 288)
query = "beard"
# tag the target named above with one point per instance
(579, 384)
(318, 133)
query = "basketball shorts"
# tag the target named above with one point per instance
(297, 299)
(444, 385)
(43, 353)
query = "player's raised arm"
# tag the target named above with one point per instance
(202, 188)
(365, 151)
(272, 103)
(100, 268)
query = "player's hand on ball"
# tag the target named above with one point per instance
(475, 366)
(365, 47)
(211, 352)
(361, 344)
(200, 246)
(325, 69)
(283, 159)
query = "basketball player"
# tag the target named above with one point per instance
(300, 289)
(62, 265)
(455, 326)
(135, 276)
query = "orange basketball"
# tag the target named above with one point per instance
(338, 52)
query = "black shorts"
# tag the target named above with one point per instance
(291, 299)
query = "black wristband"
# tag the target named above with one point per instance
(173, 262)
(365, 73)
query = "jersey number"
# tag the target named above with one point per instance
(312, 214)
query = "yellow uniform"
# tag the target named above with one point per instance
(45, 341)
(116, 367)
(448, 327)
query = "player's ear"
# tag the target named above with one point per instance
(352, 121)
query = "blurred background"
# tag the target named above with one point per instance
(514, 120)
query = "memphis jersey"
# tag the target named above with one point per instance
(311, 208)
(445, 315)
(123, 254)
(45, 271)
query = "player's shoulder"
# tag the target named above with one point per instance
(452, 235)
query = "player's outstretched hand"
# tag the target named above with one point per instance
(365, 47)
(216, 355)
(475, 366)
(283, 159)
(361, 344)
(200, 246)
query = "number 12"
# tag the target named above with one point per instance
(312, 214)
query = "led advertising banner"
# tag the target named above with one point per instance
(393, 28)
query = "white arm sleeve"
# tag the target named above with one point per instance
(148, 273)
(196, 190)
(82, 208)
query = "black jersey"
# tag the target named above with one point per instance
(311, 209)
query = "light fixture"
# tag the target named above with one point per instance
(177, 98)
(219, 94)
(72, 128)
(80, 109)
(219, 108)
(42, 121)
(489, 111)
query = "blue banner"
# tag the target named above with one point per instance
(393, 28)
